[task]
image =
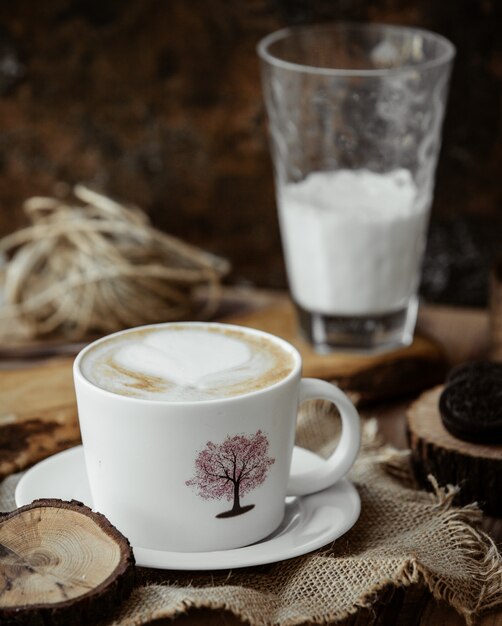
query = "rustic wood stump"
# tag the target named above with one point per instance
(61, 563)
(476, 468)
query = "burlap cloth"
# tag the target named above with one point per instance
(403, 536)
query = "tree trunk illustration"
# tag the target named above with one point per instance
(237, 500)
(236, 509)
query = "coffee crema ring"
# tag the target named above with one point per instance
(180, 362)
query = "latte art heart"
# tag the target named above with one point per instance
(183, 362)
(185, 358)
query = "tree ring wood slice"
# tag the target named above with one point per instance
(61, 563)
(475, 467)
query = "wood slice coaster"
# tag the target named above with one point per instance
(38, 414)
(60, 563)
(476, 468)
(365, 378)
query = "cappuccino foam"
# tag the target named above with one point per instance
(186, 363)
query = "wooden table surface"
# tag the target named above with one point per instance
(464, 335)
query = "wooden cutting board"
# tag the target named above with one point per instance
(38, 415)
(365, 377)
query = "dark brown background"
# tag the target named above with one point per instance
(158, 102)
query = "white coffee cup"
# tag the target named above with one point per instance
(164, 472)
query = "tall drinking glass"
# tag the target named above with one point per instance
(355, 114)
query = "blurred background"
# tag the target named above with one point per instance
(158, 103)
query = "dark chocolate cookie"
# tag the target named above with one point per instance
(471, 403)
(485, 369)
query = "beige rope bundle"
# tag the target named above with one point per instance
(99, 266)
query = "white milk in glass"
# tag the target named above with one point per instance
(353, 240)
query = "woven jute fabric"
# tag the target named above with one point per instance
(403, 536)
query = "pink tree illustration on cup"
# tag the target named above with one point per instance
(231, 469)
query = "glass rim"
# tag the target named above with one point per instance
(264, 44)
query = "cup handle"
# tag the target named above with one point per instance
(342, 459)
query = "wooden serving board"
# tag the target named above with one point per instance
(38, 414)
(365, 377)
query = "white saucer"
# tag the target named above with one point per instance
(310, 522)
